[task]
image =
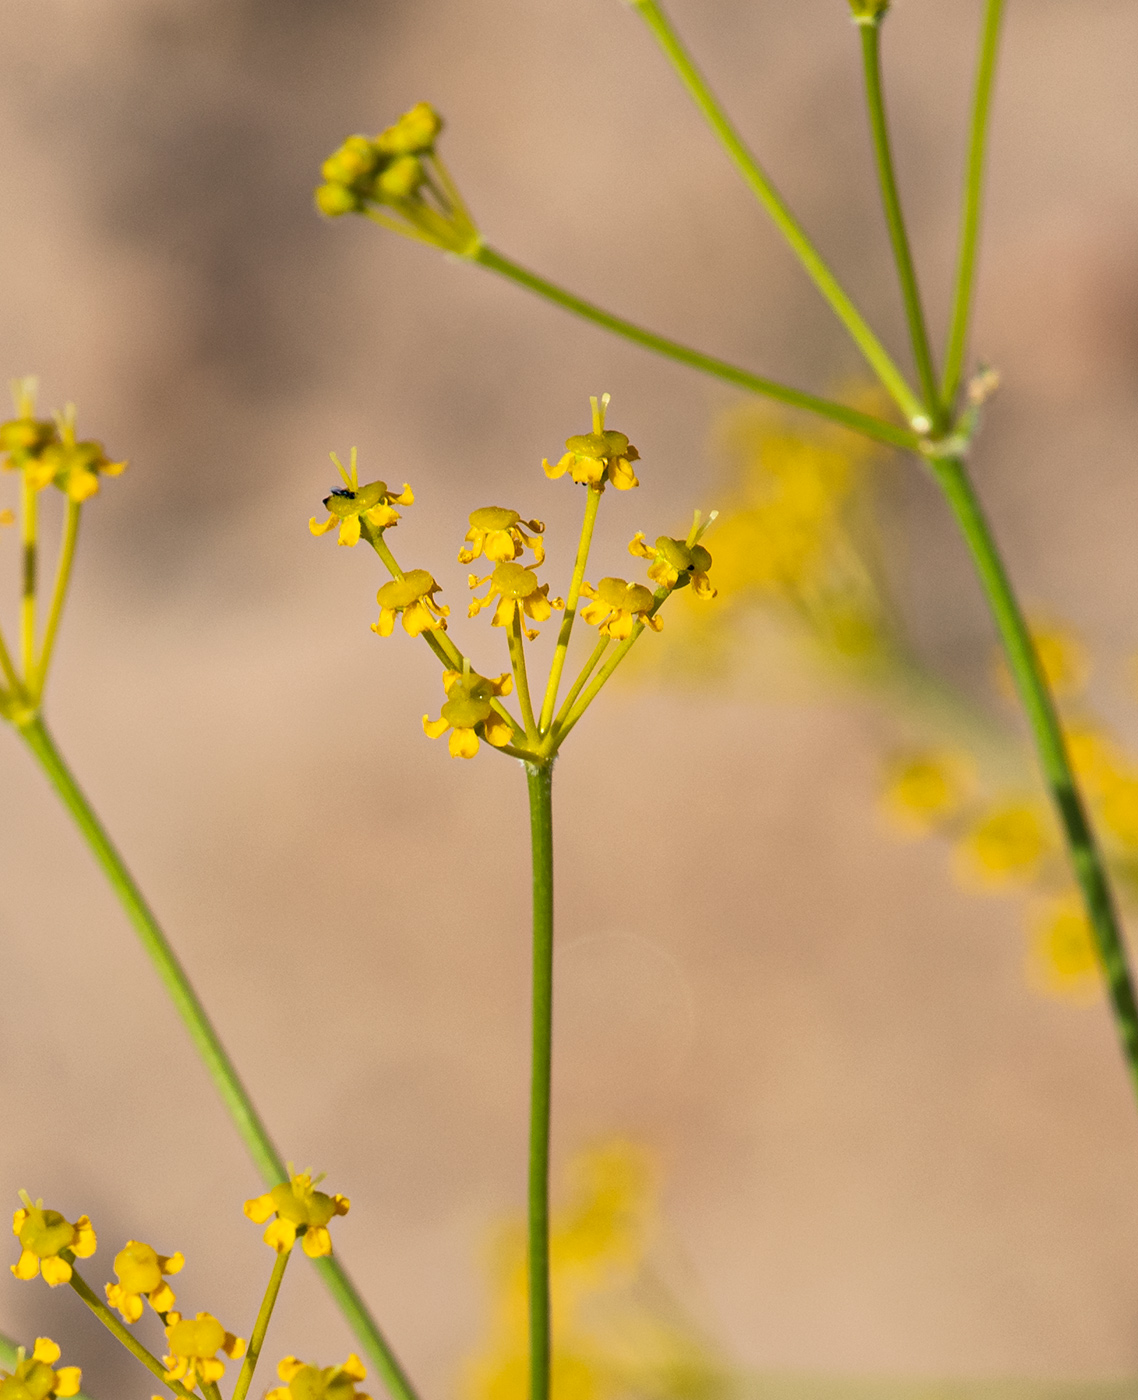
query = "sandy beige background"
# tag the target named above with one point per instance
(884, 1154)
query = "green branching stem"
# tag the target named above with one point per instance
(261, 1326)
(539, 777)
(972, 204)
(761, 185)
(58, 597)
(213, 1054)
(592, 501)
(579, 684)
(128, 1339)
(521, 678)
(864, 423)
(1086, 858)
(894, 217)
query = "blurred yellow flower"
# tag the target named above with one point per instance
(1062, 958)
(1062, 656)
(922, 791)
(1006, 846)
(34, 1377)
(309, 1382)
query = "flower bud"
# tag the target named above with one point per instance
(868, 11)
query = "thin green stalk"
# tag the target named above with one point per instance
(972, 205)
(521, 679)
(592, 501)
(8, 668)
(539, 777)
(1086, 859)
(28, 597)
(128, 1339)
(58, 597)
(10, 1359)
(763, 188)
(218, 1065)
(594, 689)
(894, 217)
(261, 1326)
(579, 684)
(864, 423)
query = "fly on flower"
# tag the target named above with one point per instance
(353, 506)
(597, 457)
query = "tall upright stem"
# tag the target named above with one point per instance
(213, 1054)
(865, 423)
(261, 1326)
(894, 217)
(540, 779)
(1086, 859)
(973, 202)
(761, 185)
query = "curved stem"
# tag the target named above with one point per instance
(592, 501)
(894, 217)
(213, 1054)
(1086, 859)
(763, 188)
(864, 423)
(261, 1326)
(58, 597)
(128, 1339)
(539, 777)
(973, 199)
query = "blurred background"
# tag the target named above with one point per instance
(879, 1151)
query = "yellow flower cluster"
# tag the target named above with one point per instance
(45, 450)
(194, 1343)
(141, 1274)
(297, 1207)
(304, 1381)
(35, 1377)
(612, 1336)
(45, 1236)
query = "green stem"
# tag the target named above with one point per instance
(894, 217)
(1039, 706)
(218, 1065)
(521, 679)
(58, 597)
(28, 598)
(128, 1339)
(539, 777)
(579, 684)
(8, 668)
(592, 501)
(763, 188)
(973, 199)
(864, 423)
(261, 1326)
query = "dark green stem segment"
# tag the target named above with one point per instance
(214, 1056)
(540, 779)
(894, 217)
(1086, 859)
(864, 423)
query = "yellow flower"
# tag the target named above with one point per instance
(497, 533)
(297, 1206)
(616, 606)
(387, 170)
(77, 466)
(516, 587)
(373, 504)
(413, 596)
(140, 1269)
(1063, 960)
(194, 1344)
(34, 1377)
(1094, 757)
(309, 1382)
(594, 458)
(675, 563)
(414, 134)
(43, 1236)
(468, 706)
(24, 441)
(924, 790)
(1006, 846)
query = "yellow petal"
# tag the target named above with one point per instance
(18, 1220)
(233, 1346)
(463, 743)
(322, 527)
(27, 1266)
(386, 624)
(342, 1204)
(433, 728)
(55, 1271)
(554, 470)
(46, 1350)
(67, 1380)
(173, 1263)
(86, 1242)
(209, 1368)
(161, 1300)
(317, 1242)
(258, 1209)
(354, 1367)
(280, 1235)
(350, 530)
(497, 731)
(289, 1367)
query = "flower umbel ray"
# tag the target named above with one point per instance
(44, 1235)
(297, 1207)
(352, 505)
